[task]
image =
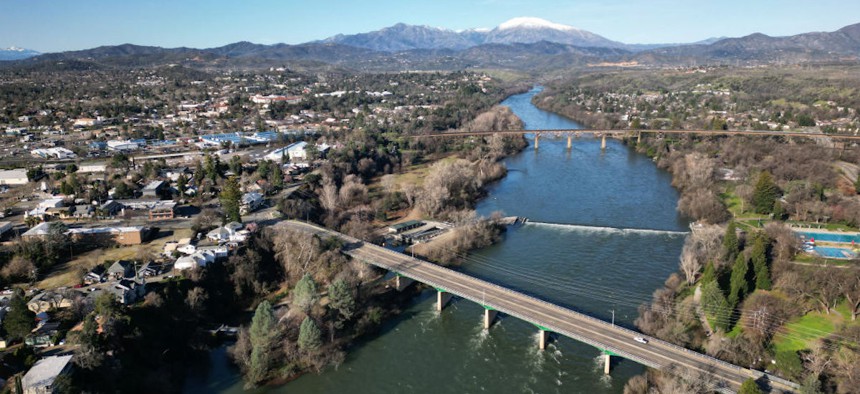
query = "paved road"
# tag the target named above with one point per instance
(603, 335)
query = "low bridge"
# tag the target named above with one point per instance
(547, 317)
(637, 133)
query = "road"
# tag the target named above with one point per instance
(635, 132)
(584, 328)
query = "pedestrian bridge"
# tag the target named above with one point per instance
(547, 317)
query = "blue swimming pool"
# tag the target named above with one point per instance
(830, 237)
(834, 253)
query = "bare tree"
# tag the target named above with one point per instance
(702, 245)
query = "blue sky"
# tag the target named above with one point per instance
(58, 25)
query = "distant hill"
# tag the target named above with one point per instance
(525, 44)
(15, 53)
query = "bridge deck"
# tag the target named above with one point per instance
(634, 132)
(581, 327)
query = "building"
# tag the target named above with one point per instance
(128, 291)
(230, 232)
(83, 211)
(131, 235)
(42, 230)
(120, 269)
(405, 226)
(13, 177)
(122, 146)
(40, 378)
(92, 168)
(48, 300)
(53, 153)
(163, 210)
(4, 227)
(110, 208)
(250, 202)
(156, 189)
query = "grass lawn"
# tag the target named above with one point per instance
(802, 332)
(69, 274)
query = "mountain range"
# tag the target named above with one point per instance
(526, 44)
(15, 53)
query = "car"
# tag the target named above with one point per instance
(640, 339)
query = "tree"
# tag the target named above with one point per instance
(19, 320)
(277, 176)
(731, 246)
(739, 286)
(263, 336)
(89, 354)
(231, 197)
(119, 161)
(182, 185)
(709, 274)
(305, 293)
(765, 193)
(715, 306)
(758, 257)
(341, 299)
(310, 336)
(749, 386)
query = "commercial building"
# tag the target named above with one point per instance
(13, 177)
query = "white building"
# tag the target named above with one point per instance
(250, 202)
(58, 153)
(119, 145)
(13, 177)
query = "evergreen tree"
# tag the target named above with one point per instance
(709, 274)
(263, 338)
(181, 185)
(765, 193)
(277, 177)
(341, 299)
(305, 293)
(19, 320)
(231, 197)
(716, 307)
(739, 286)
(731, 245)
(758, 257)
(310, 336)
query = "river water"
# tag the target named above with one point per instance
(603, 235)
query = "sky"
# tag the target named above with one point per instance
(61, 25)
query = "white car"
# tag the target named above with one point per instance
(640, 339)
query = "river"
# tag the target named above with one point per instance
(603, 235)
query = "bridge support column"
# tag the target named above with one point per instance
(442, 299)
(569, 142)
(603, 142)
(639, 138)
(402, 282)
(537, 140)
(543, 339)
(606, 364)
(489, 317)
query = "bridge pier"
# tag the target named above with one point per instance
(402, 282)
(639, 138)
(543, 339)
(489, 317)
(537, 140)
(442, 299)
(569, 142)
(606, 357)
(603, 142)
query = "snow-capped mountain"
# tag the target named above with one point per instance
(15, 53)
(518, 30)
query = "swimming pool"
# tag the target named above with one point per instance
(835, 253)
(830, 237)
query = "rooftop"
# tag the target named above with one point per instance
(43, 373)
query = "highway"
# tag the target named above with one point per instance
(600, 334)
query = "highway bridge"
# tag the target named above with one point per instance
(547, 317)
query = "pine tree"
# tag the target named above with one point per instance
(262, 337)
(765, 193)
(731, 245)
(231, 197)
(709, 274)
(758, 257)
(750, 387)
(310, 336)
(739, 286)
(305, 293)
(716, 307)
(19, 320)
(181, 185)
(341, 299)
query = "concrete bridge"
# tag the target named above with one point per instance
(548, 318)
(637, 133)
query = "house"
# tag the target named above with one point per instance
(198, 259)
(42, 209)
(229, 232)
(13, 177)
(40, 378)
(149, 269)
(156, 189)
(129, 291)
(43, 229)
(83, 211)
(110, 208)
(121, 269)
(97, 275)
(4, 227)
(43, 335)
(250, 202)
(47, 301)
